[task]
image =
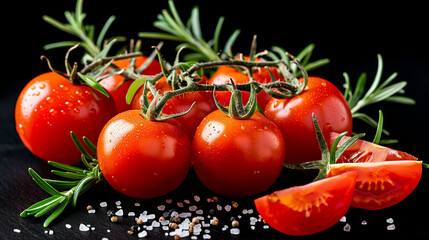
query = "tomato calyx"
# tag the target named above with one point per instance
(236, 110)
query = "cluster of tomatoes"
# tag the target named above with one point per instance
(143, 158)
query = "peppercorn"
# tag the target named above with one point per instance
(235, 223)
(173, 225)
(234, 204)
(215, 221)
(139, 221)
(89, 207)
(195, 220)
(176, 237)
(114, 219)
(161, 219)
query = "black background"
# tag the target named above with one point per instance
(350, 35)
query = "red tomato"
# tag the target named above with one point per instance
(117, 87)
(294, 117)
(50, 106)
(142, 158)
(237, 158)
(308, 209)
(224, 74)
(364, 151)
(380, 184)
(203, 105)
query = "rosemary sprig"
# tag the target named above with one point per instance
(64, 192)
(190, 35)
(379, 91)
(86, 33)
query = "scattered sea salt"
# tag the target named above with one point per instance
(137, 204)
(118, 203)
(108, 230)
(156, 224)
(194, 237)
(227, 208)
(104, 238)
(364, 223)
(192, 208)
(252, 227)
(219, 207)
(207, 236)
(131, 214)
(180, 204)
(103, 204)
(83, 227)
(199, 211)
(186, 201)
(253, 220)
(389, 220)
(68, 226)
(161, 207)
(16, 230)
(266, 226)
(51, 232)
(92, 228)
(343, 219)
(197, 198)
(168, 201)
(91, 211)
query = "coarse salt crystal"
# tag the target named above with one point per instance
(142, 234)
(161, 207)
(192, 208)
(207, 236)
(51, 232)
(194, 237)
(119, 213)
(156, 224)
(249, 211)
(118, 203)
(184, 234)
(103, 204)
(16, 230)
(389, 220)
(343, 219)
(83, 227)
(219, 207)
(266, 226)
(186, 201)
(92, 228)
(168, 201)
(391, 227)
(68, 226)
(137, 204)
(253, 220)
(165, 228)
(104, 238)
(131, 214)
(180, 204)
(252, 227)
(91, 211)
(199, 211)
(234, 231)
(227, 208)
(347, 228)
(197, 198)
(364, 223)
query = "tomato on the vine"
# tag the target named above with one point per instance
(380, 184)
(142, 158)
(294, 117)
(50, 106)
(364, 151)
(237, 158)
(225, 73)
(310, 208)
(117, 86)
(202, 104)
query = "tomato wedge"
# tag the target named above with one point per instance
(364, 151)
(310, 208)
(380, 184)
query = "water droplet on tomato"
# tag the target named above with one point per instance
(92, 111)
(242, 127)
(256, 172)
(42, 86)
(21, 129)
(76, 110)
(33, 87)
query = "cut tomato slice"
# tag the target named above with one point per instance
(308, 209)
(364, 151)
(380, 184)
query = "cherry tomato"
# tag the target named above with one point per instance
(310, 208)
(364, 151)
(381, 184)
(142, 158)
(224, 74)
(203, 104)
(50, 106)
(237, 158)
(294, 117)
(117, 87)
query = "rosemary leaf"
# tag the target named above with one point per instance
(68, 174)
(43, 184)
(49, 207)
(66, 167)
(57, 212)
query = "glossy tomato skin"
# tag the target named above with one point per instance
(49, 107)
(310, 208)
(117, 87)
(142, 158)
(381, 184)
(364, 151)
(237, 158)
(225, 73)
(294, 117)
(202, 104)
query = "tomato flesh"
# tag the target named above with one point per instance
(381, 184)
(310, 208)
(49, 107)
(364, 151)
(142, 158)
(237, 158)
